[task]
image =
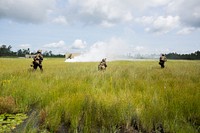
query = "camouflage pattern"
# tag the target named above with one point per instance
(70, 56)
(102, 65)
(37, 60)
(162, 60)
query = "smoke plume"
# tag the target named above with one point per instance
(114, 49)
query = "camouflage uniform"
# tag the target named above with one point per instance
(70, 56)
(37, 60)
(163, 59)
(102, 65)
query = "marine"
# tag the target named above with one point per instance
(162, 60)
(102, 65)
(37, 60)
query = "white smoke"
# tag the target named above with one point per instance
(114, 49)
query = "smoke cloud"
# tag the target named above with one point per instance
(114, 49)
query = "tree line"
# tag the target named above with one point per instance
(5, 51)
(191, 56)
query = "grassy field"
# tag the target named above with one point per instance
(130, 96)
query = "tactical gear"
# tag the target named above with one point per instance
(102, 65)
(163, 59)
(39, 51)
(37, 61)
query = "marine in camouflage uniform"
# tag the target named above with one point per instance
(162, 60)
(37, 60)
(102, 65)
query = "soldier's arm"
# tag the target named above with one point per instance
(41, 57)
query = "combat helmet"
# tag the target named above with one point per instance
(39, 51)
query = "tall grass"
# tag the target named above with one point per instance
(128, 96)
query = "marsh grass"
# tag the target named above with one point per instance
(128, 96)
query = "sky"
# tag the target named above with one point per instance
(96, 26)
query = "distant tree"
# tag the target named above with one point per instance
(5, 51)
(19, 52)
(50, 53)
(23, 52)
(192, 56)
(28, 51)
(46, 53)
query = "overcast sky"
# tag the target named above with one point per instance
(135, 26)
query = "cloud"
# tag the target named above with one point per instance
(32, 11)
(189, 11)
(139, 48)
(79, 44)
(106, 13)
(103, 12)
(59, 44)
(160, 24)
(107, 24)
(109, 13)
(159, 16)
(186, 30)
(24, 46)
(56, 47)
(60, 20)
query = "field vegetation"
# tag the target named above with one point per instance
(130, 96)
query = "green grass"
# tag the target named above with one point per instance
(128, 96)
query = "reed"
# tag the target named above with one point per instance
(128, 96)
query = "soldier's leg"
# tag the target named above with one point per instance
(162, 65)
(40, 66)
(35, 66)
